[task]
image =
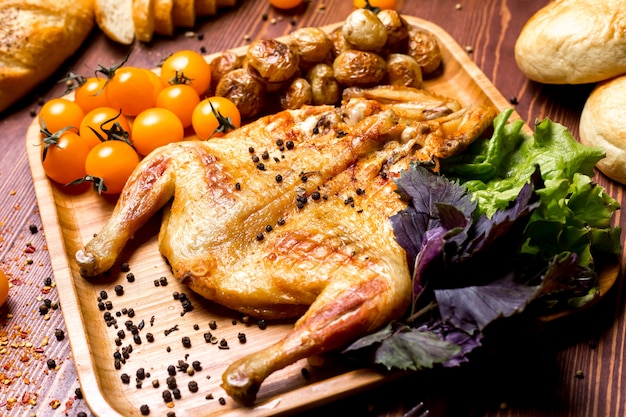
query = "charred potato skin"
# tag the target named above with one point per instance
(223, 64)
(243, 89)
(273, 61)
(397, 28)
(297, 94)
(403, 70)
(325, 88)
(364, 30)
(354, 68)
(424, 48)
(312, 44)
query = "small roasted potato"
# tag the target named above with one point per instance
(424, 47)
(297, 93)
(403, 70)
(325, 89)
(339, 42)
(222, 64)
(397, 28)
(273, 61)
(364, 30)
(243, 89)
(312, 44)
(359, 68)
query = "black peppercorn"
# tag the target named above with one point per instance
(279, 178)
(176, 393)
(59, 334)
(125, 378)
(51, 363)
(103, 295)
(186, 341)
(193, 386)
(130, 277)
(145, 410)
(167, 396)
(119, 290)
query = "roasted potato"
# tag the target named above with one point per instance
(324, 87)
(364, 30)
(403, 70)
(339, 42)
(273, 61)
(243, 89)
(297, 93)
(354, 68)
(397, 28)
(222, 64)
(312, 44)
(424, 47)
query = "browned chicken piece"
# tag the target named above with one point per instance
(288, 217)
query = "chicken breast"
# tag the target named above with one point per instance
(288, 217)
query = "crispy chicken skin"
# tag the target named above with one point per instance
(303, 230)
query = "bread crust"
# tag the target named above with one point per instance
(574, 42)
(163, 17)
(143, 19)
(603, 124)
(37, 36)
(115, 19)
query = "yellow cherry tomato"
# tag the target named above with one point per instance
(383, 4)
(180, 99)
(99, 119)
(156, 127)
(60, 113)
(4, 287)
(215, 116)
(91, 95)
(130, 89)
(63, 157)
(286, 4)
(190, 66)
(110, 163)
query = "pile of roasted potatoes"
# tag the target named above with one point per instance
(311, 66)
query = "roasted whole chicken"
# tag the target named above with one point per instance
(288, 217)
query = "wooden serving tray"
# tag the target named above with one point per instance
(71, 218)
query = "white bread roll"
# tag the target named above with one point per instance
(574, 42)
(36, 37)
(603, 124)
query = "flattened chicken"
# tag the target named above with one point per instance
(288, 217)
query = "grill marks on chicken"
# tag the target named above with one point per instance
(316, 244)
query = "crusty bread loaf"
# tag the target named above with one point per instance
(603, 123)
(163, 17)
(115, 19)
(143, 19)
(206, 7)
(37, 36)
(574, 42)
(184, 13)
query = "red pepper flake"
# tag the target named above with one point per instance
(30, 248)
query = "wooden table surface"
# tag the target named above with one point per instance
(573, 368)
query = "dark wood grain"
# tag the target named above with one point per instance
(573, 367)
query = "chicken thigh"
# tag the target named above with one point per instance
(288, 217)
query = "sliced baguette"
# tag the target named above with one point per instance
(143, 19)
(226, 3)
(163, 17)
(206, 7)
(115, 19)
(184, 12)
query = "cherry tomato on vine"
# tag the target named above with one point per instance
(91, 95)
(286, 4)
(63, 156)
(101, 119)
(109, 164)
(60, 113)
(180, 99)
(383, 4)
(4, 287)
(131, 90)
(191, 66)
(156, 127)
(215, 116)
(157, 83)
